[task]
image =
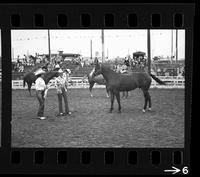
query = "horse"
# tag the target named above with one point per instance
(92, 80)
(125, 93)
(117, 82)
(30, 78)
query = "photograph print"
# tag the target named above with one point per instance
(98, 88)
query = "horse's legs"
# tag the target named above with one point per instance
(145, 100)
(111, 100)
(126, 94)
(149, 99)
(107, 91)
(29, 88)
(118, 100)
(90, 88)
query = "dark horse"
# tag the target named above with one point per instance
(98, 79)
(30, 78)
(117, 82)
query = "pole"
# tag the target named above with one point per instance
(149, 50)
(102, 37)
(176, 45)
(49, 46)
(172, 45)
(91, 49)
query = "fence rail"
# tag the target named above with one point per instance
(78, 82)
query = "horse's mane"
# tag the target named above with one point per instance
(107, 68)
(50, 74)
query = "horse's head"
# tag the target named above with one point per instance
(97, 70)
(50, 75)
(90, 75)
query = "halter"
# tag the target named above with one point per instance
(92, 72)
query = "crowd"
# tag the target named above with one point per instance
(30, 61)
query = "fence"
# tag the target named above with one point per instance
(78, 82)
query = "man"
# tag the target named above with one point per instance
(40, 87)
(61, 86)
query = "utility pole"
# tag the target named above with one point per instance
(172, 45)
(91, 49)
(149, 50)
(49, 46)
(102, 39)
(176, 45)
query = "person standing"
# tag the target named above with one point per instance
(61, 87)
(40, 87)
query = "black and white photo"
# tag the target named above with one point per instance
(98, 88)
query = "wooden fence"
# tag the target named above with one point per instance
(78, 82)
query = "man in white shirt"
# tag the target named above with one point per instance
(40, 87)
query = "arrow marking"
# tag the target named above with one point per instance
(174, 170)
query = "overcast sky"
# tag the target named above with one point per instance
(116, 42)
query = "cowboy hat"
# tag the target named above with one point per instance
(39, 71)
(60, 70)
(68, 70)
(57, 66)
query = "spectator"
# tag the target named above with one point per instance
(96, 60)
(57, 65)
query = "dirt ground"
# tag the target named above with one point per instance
(90, 124)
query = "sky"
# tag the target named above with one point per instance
(116, 42)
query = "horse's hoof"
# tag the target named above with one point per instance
(149, 109)
(144, 110)
(119, 111)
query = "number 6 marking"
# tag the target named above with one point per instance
(185, 170)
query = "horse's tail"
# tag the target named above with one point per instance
(24, 82)
(157, 79)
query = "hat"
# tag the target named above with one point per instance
(60, 70)
(39, 71)
(68, 70)
(57, 66)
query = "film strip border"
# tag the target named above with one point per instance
(107, 16)
(121, 16)
(95, 161)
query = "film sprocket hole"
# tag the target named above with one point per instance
(96, 89)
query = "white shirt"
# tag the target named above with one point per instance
(40, 84)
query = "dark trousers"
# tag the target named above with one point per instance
(64, 95)
(40, 97)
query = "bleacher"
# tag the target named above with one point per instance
(83, 71)
(70, 65)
